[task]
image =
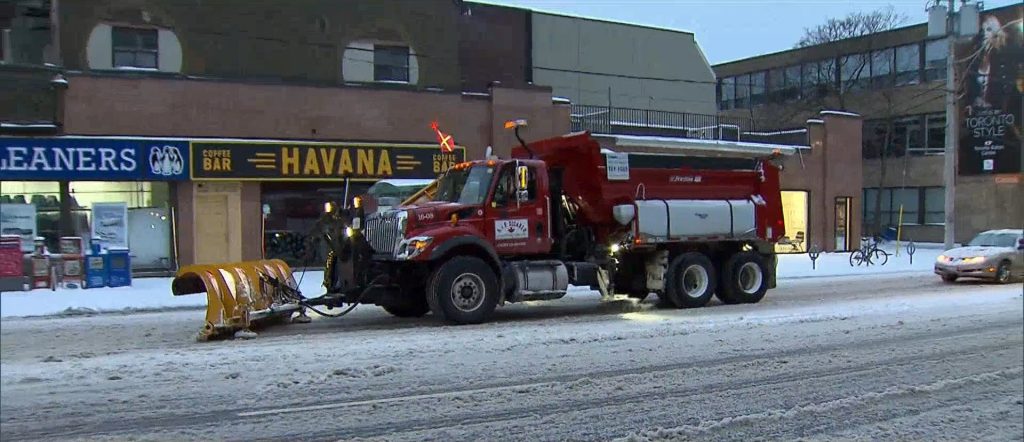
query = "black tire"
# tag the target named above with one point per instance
(1003, 273)
(949, 278)
(856, 258)
(744, 279)
(691, 280)
(411, 307)
(880, 257)
(477, 287)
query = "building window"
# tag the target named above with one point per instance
(908, 64)
(907, 134)
(881, 68)
(391, 63)
(5, 42)
(727, 93)
(855, 72)
(757, 88)
(920, 206)
(784, 83)
(935, 136)
(134, 48)
(148, 227)
(742, 91)
(935, 53)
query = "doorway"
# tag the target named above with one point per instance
(842, 223)
(795, 213)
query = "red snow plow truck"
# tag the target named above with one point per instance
(686, 219)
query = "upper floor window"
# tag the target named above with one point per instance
(743, 91)
(134, 47)
(5, 41)
(727, 93)
(935, 53)
(881, 68)
(757, 88)
(855, 72)
(391, 63)
(908, 64)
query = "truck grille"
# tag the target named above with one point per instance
(383, 232)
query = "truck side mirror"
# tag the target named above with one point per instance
(1020, 244)
(522, 183)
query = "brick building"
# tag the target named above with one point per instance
(225, 126)
(896, 81)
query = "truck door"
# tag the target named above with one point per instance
(517, 215)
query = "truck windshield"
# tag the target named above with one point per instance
(465, 186)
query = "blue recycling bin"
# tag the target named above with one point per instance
(95, 269)
(119, 268)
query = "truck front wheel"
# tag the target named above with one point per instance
(463, 290)
(690, 281)
(744, 279)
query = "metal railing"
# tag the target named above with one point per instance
(627, 121)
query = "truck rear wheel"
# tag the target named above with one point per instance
(744, 279)
(691, 281)
(463, 290)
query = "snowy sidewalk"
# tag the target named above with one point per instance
(147, 294)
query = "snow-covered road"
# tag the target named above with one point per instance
(861, 357)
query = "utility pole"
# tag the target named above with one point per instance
(949, 169)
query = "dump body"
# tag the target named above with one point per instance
(685, 180)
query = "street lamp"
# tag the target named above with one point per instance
(944, 21)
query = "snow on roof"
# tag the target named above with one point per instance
(723, 146)
(561, 100)
(476, 94)
(28, 126)
(845, 114)
(398, 182)
(778, 132)
(815, 121)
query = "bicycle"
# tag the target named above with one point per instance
(868, 253)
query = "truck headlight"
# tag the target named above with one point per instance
(412, 247)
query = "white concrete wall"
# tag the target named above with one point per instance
(645, 68)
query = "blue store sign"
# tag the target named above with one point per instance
(101, 159)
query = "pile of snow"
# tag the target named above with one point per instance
(147, 294)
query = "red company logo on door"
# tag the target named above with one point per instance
(511, 229)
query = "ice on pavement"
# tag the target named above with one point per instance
(149, 294)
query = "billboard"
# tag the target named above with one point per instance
(992, 81)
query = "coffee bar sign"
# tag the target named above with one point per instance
(89, 158)
(314, 161)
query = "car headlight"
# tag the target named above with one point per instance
(974, 260)
(412, 247)
(943, 259)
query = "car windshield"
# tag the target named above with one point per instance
(465, 186)
(994, 240)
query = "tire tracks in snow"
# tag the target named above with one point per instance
(227, 417)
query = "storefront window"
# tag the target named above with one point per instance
(794, 212)
(149, 232)
(291, 211)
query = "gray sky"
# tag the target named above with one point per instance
(731, 29)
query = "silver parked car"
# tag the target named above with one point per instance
(993, 254)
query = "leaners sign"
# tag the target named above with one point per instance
(88, 158)
(318, 161)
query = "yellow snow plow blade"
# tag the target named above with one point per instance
(238, 294)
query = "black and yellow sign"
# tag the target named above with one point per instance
(268, 161)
